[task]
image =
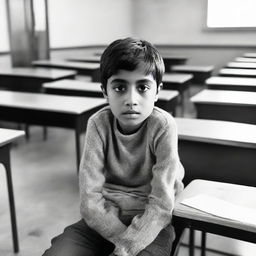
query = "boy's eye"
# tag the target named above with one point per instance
(143, 88)
(119, 88)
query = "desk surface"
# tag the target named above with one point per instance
(243, 59)
(238, 72)
(192, 68)
(219, 80)
(68, 84)
(37, 73)
(166, 56)
(8, 135)
(250, 55)
(240, 195)
(94, 59)
(177, 78)
(67, 64)
(221, 97)
(217, 132)
(241, 65)
(47, 102)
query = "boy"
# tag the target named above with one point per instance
(130, 170)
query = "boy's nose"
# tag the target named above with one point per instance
(132, 98)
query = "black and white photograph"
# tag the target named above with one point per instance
(127, 128)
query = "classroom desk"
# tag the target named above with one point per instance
(7, 136)
(170, 60)
(243, 196)
(168, 99)
(83, 68)
(216, 150)
(243, 59)
(31, 79)
(240, 72)
(200, 73)
(249, 55)
(231, 83)
(93, 59)
(248, 65)
(178, 82)
(49, 110)
(237, 106)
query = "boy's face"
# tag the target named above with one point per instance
(131, 96)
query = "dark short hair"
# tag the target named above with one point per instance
(127, 54)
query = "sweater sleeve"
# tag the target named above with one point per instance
(157, 215)
(98, 215)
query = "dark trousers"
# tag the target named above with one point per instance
(80, 240)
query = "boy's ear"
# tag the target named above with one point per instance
(159, 88)
(104, 92)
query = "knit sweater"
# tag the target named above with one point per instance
(128, 182)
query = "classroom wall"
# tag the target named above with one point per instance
(87, 22)
(4, 38)
(183, 22)
(177, 25)
(80, 22)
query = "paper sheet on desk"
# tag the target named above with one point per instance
(222, 208)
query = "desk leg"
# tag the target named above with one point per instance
(45, 133)
(27, 131)
(203, 243)
(5, 152)
(179, 231)
(191, 241)
(182, 100)
(78, 152)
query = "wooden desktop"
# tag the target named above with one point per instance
(237, 106)
(31, 79)
(49, 110)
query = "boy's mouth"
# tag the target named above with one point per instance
(130, 112)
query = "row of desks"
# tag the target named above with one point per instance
(82, 68)
(49, 110)
(31, 79)
(62, 111)
(232, 97)
(169, 60)
(167, 100)
(237, 106)
(72, 112)
(242, 66)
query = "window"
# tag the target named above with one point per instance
(231, 14)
